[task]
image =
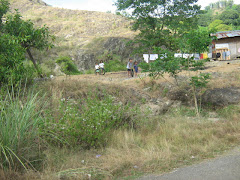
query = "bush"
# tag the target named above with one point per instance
(87, 123)
(89, 71)
(115, 65)
(67, 65)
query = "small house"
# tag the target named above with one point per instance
(226, 46)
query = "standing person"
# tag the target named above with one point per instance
(135, 68)
(101, 66)
(130, 67)
(97, 69)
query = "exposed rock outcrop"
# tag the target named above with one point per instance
(220, 97)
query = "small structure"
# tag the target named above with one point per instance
(226, 46)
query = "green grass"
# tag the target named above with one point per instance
(20, 118)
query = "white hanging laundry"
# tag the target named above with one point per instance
(146, 58)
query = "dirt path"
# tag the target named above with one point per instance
(118, 77)
(226, 167)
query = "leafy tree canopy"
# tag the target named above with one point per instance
(196, 41)
(28, 35)
(218, 25)
(17, 37)
(229, 17)
(224, 10)
(160, 21)
(11, 60)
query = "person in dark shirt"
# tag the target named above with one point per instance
(135, 68)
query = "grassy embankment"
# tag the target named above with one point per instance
(118, 139)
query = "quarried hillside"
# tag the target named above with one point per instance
(84, 35)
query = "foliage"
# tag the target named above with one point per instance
(124, 14)
(160, 22)
(88, 122)
(195, 41)
(19, 135)
(222, 16)
(205, 18)
(67, 65)
(217, 25)
(4, 7)
(166, 63)
(114, 65)
(108, 56)
(27, 35)
(17, 37)
(198, 83)
(230, 17)
(12, 69)
(144, 66)
(89, 71)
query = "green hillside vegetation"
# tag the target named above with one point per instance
(223, 15)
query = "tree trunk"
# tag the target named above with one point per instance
(34, 62)
(196, 102)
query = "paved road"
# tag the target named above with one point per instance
(226, 167)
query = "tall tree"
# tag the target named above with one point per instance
(161, 21)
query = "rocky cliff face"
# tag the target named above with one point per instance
(106, 49)
(84, 35)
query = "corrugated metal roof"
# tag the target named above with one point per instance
(226, 34)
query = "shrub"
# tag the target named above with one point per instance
(87, 123)
(67, 65)
(89, 71)
(115, 65)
